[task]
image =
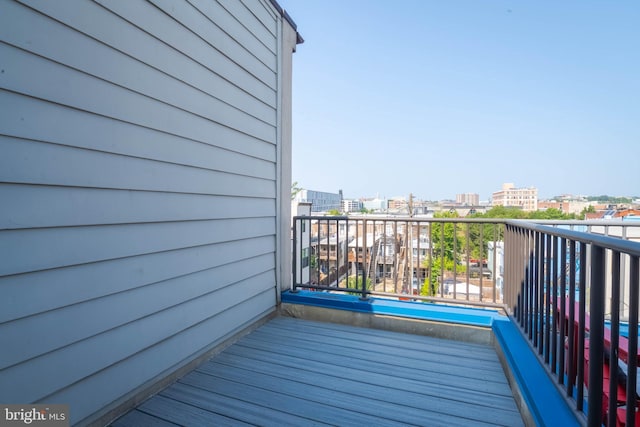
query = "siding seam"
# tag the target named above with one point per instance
(138, 191)
(70, 107)
(195, 34)
(146, 159)
(70, 385)
(243, 26)
(129, 322)
(151, 66)
(160, 101)
(138, 254)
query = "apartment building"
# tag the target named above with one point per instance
(320, 201)
(469, 199)
(565, 206)
(510, 196)
(352, 205)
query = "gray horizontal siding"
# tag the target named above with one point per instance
(28, 250)
(262, 45)
(262, 12)
(145, 365)
(117, 344)
(155, 39)
(49, 80)
(243, 12)
(34, 162)
(34, 119)
(259, 62)
(71, 285)
(98, 315)
(138, 166)
(121, 69)
(75, 206)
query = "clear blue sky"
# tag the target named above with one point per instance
(458, 96)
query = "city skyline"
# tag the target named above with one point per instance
(454, 199)
(439, 98)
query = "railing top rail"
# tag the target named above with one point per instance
(589, 222)
(614, 243)
(403, 218)
(400, 219)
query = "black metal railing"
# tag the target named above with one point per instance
(449, 260)
(572, 292)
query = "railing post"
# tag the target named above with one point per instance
(632, 377)
(596, 335)
(581, 322)
(535, 316)
(615, 331)
(294, 263)
(547, 308)
(563, 308)
(554, 303)
(572, 361)
(365, 258)
(540, 312)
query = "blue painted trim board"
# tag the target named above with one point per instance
(382, 306)
(547, 406)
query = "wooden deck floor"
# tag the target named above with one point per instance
(298, 372)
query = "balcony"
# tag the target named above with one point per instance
(300, 372)
(545, 341)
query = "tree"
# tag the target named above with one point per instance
(480, 234)
(550, 213)
(585, 211)
(608, 199)
(448, 242)
(295, 190)
(333, 212)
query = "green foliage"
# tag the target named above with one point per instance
(504, 212)
(550, 213)
(354, 282)
(333, 212)
(449, 243)
(429, 288)
(585, 211)
(430, 285)
(448, 239)
(295, 190)
(609, 199)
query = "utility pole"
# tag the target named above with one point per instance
(411, 205)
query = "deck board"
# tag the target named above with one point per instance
(299, 372)
(391, 353)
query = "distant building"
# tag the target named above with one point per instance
(469, 199)
(320, 200)
(378, 205)
(351, 205)
(397, 204)
(565, 206)
(510, 196)
(303, 251)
